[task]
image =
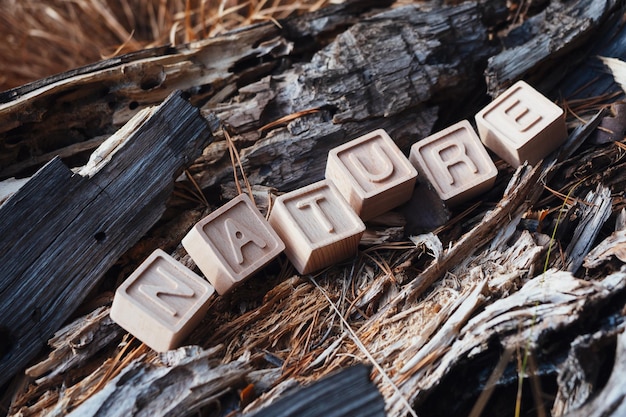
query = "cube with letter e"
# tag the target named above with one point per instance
(521, 125)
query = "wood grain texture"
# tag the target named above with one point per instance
(347, 393)
(62, 231)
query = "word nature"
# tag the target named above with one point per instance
(321, 224)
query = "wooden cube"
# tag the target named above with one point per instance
(318, 226)
(161, 302)
(371, 173)
(232, 243)
(521, 125)
(455, 163)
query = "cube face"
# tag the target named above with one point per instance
(318, 226)
(161, 302)
(521, 125)
(371, 173)
(455, 162)
(232, 243)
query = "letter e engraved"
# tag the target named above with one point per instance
(459, 157)
(239, 237)
(318, 213)
(154, 291)
(521, 116)
(386, 169)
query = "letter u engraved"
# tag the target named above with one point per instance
(385, 164)
(239, 237)
(521, 116)
(459, 157)
(176, 288)
(318, 213)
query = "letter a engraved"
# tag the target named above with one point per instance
(239, 237)
(154, 291)
(386, 165)
(318, 213)
(521, 116)
(459, 157)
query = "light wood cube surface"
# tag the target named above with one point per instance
(161, 302)
(521, 125)
(318, 226)
(455, 162)
(371, 173)
(232, 243)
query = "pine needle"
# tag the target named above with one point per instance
(364, 350)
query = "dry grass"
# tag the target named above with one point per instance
(41, 38)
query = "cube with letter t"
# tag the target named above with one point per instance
(318, 226)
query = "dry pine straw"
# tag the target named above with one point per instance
(41, 38)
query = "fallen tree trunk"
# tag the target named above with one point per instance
(285, 96)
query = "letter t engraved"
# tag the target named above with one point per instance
(239, 237)
(154, 291)
(459, 157)
(521, 115)
(318, 213)
(386, 165)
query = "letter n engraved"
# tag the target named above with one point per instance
(172, 287)
(318, 213)
(239, 237)
(458, 157)
(384, 165)
(521, 116)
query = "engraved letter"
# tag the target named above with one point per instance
(239, 237)
(460, 157)
(386, 165)
(175, 288)
(521, 116)
(317, 211)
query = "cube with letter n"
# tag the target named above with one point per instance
(161, 302)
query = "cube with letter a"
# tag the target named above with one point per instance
(521, 125)
(232, 243)
(318, 226)
(161, 302)
(371, 173)
(455, 162)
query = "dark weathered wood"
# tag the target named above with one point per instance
(61, 111)
(388, 71)
(179, 383)
(62, 230)
(543, 39)
(347, 393)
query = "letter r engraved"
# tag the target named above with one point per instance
(239, 237)
(521, 116)
(174, 288)
(318, 213)
(386, 165)
(459, 157)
